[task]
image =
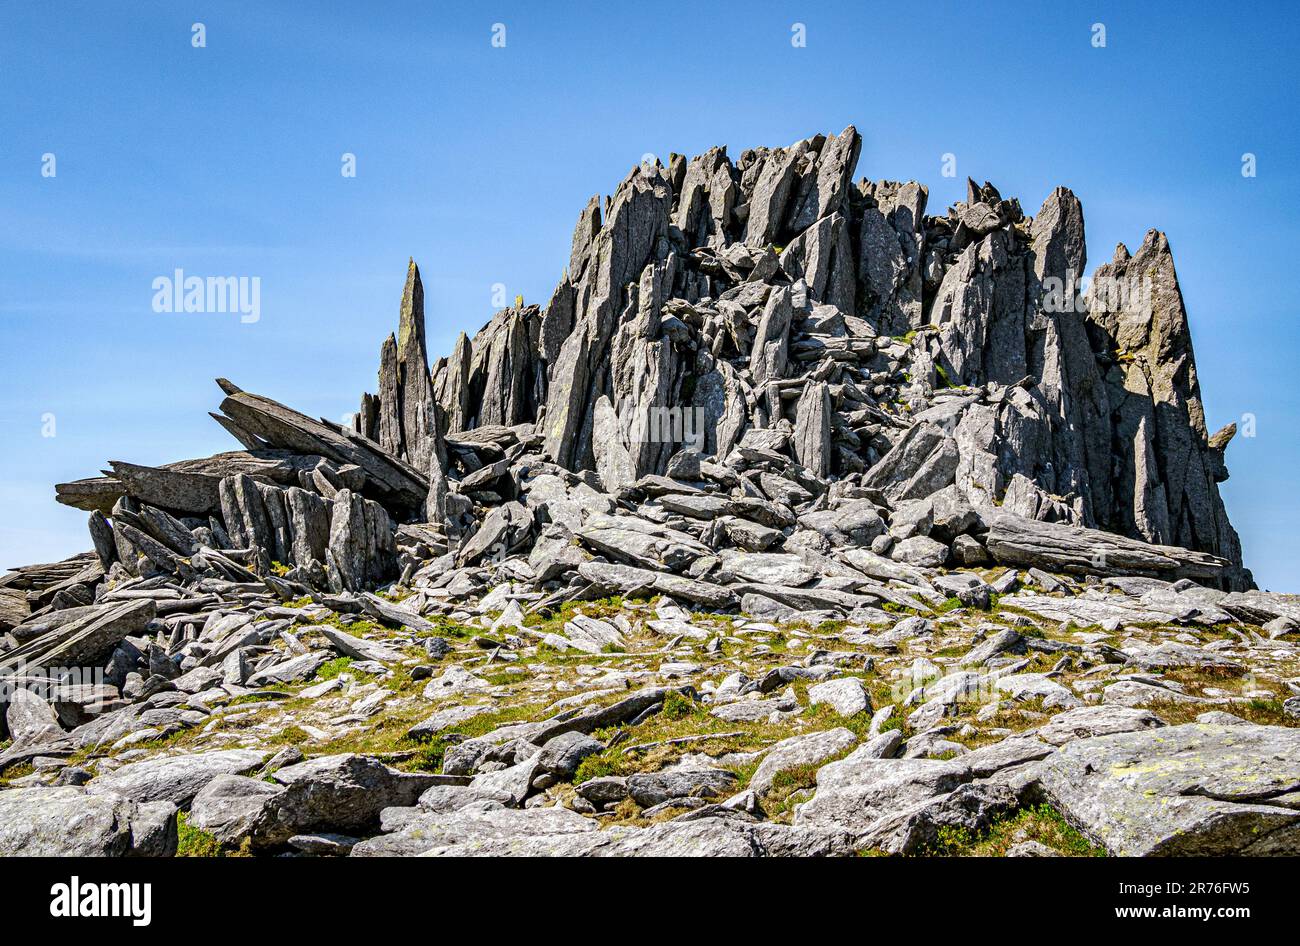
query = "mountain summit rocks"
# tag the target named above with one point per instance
(787, 477)
(770, 295)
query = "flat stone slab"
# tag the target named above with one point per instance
(847, 696)
(69, 822)
(858, 790)
(1182, 790)
(1089, 721)
(1085, 612)
(175, 779)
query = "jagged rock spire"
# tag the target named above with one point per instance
(1168, 465)
(403, 418)
(636, 225)
(414, 387)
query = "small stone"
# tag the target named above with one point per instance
(846, 696)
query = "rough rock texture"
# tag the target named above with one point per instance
(789, 477)
(341, 792)
(174, 779)
(67, 822)
(1187, 790)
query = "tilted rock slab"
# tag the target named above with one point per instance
(1184, 790)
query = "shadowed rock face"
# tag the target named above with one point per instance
(1166, 486)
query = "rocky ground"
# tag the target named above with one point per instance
(1131, 716)
(797, 523)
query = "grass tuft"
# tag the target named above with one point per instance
(1041, 823)
(195, 842)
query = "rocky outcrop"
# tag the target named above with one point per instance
(870, 344)
(780, 450)
(1168, 466)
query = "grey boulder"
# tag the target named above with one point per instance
(1194, 789)
(338, 793)
(229, 805)
(175, 779)
(799, 751)
(1087, 721)
(70, 822)
(654, 788)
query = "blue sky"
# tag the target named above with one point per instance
(476, 160)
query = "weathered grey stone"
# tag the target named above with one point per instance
(812, 430)
(490, 830)
(360, 551)
(293, 670)
(228, 806)
(920, 551)
(827, 190)
(773, 176)
(990, 648)
(560, 756)
(969, 808)
(386, 475)
(1136, 693)
(855, 522)
(1010, 752)
(512, 784)
(446, 718)
(604, 790)
(1015, 540)
(766, 567)
(707, 837)
(891, 256)
(592, 635)
(1037, 686)
(923, 461)
(1169, 655)
(1087, 721)
(83, 641)
(69, 822)
(1176, 501)
(1089, 609)
(855, 792)
(30, 719)
(1193, 789)
(175, 779)
(800, 751)
(454, 681)
(655, 788)
(846, 696)
(352, 646)
(629, 580)
(771, 343)
(1259, 607)
(343, 793)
